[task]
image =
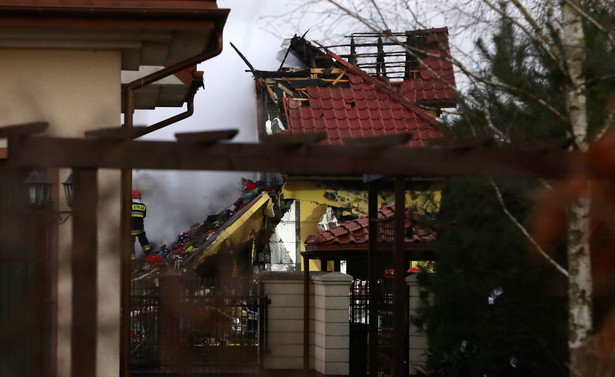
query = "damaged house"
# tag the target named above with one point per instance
(370, 91)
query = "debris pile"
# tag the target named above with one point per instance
(200, 235)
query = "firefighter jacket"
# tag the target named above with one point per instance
(138, 214)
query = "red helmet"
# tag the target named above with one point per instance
(136, 194)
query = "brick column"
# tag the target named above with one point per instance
(331, 324)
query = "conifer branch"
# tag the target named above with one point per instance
(544, 43)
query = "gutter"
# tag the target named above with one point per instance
(168, 71)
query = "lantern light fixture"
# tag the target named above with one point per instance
(39, 189)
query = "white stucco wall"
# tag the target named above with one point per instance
(74, 91)
(283, 242)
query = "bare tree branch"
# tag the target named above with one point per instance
(525, 231)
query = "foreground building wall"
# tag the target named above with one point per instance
(62, 64)
(74, 91)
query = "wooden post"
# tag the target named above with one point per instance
(84, 265)
(306, 316)
(126, 250)
(42, 289)
(401, 295)
(372, 260)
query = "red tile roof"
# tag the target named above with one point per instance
(357, 231)
(367, 108)
(373, 107)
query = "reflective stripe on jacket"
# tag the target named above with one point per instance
(138, 210)
(138, 213)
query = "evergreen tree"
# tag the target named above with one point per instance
(488, 310)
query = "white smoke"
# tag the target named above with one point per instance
(175, 200)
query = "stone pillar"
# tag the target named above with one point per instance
(417, 339)
(331, 324)
(285, 319)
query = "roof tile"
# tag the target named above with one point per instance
(363, 114)
(315, 103)
(325, 94)
(355, 79)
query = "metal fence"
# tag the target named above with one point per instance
(359, 327)
(196, 329)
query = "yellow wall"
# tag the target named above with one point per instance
(315, 196)
(355, 201)
(75, 91)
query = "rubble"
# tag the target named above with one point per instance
(179, 254)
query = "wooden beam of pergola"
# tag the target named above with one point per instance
(53, 152)
(292, 154)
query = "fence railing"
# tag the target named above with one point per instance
(195, 329)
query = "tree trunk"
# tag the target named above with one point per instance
(580, 280)
(579, 256)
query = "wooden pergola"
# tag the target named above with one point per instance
(115, 148)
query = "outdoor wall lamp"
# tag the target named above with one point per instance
(38, 188)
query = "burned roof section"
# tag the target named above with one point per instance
(350, 98)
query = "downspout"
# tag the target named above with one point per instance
(168, 71)
(175, 118)
(127, 244)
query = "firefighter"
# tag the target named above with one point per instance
(138, 228)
